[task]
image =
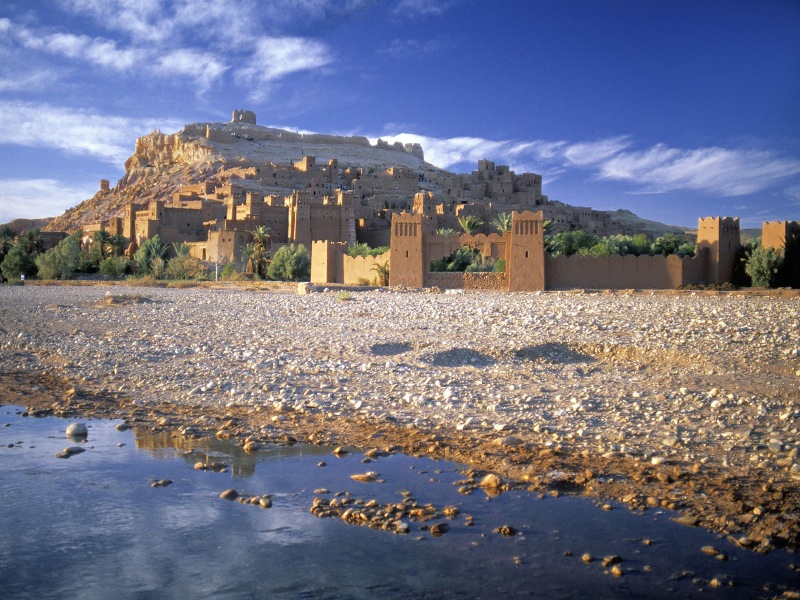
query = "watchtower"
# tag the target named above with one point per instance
(525, 252)
(409, 256)
(720, 235)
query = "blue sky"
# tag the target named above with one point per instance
(674, 109)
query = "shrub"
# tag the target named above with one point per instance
(185, 267)
(365, 250)
(151, 250)
(63, 261)
(290, 263)
(381, 274)
(446, 231)
(344, 296)
(113, 266)
(229, 272)
(18, 262)
(499, 266)
(762, 266)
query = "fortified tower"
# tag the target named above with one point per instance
(243, 116)
(779, 234)
(409, 257)
(720, 236)
(525, 252)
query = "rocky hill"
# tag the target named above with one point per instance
(221, 152)
(218, 152)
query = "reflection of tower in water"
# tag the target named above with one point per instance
(206, 449)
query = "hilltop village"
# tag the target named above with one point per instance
(385, 195)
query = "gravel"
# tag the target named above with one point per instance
(694, 379)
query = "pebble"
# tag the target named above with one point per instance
(704, 383)
(77, 430)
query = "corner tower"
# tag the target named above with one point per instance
(720, 235)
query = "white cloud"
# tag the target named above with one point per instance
(411, 48)
(413, 8)
(275, 57)
(658, 169)
(201, 66)
(108, 138)
(143, 20)
(716, 170)
(37, 198)
(99, 51)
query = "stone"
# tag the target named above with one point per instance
(230, 494)
(491, 481)
(77, 430)
(439, 529)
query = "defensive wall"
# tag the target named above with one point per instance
(330, 263)
(414, 244)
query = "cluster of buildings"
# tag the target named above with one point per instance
(331, 207)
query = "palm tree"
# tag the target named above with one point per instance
(181, 249)
(469, 223)
(31, 241)
(382, 273)
(446, 231)
(258, 261)
(502, 222)
(101, 240)
(6, 240)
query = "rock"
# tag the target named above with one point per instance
(265, 502)
(229, 494)
(439, 529)
(586, 557)
(367, 477)
(77, 430)
(340, 451)
(505, 531)
(507, 441)
(491, 481)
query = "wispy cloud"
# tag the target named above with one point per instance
(277, 57)
(657, 169)
(37, 198)
(411, 48)
(107, 138)
(414, 8)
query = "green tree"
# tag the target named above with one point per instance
(669, 243)
(469, 223)
(6, 240)
(62, 261)
(18, 262)
(258, 251)
(31, 241)
(502, 222)
(181, 249)
(568, 243)
(381, 273)
(365, 250)
(151, 250)
(101, 245)
(446, 231)
(113, 267)
(290, 263)
(762, 266)
(185, 267)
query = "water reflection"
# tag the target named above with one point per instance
(92, 527)
(209, 449)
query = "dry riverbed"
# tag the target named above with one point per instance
(689, 401)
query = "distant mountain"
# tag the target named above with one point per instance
(20, 225)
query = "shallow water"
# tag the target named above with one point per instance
(92, 526)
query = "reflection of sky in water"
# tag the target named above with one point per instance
(93, 527)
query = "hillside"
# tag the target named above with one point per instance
(220, 153)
